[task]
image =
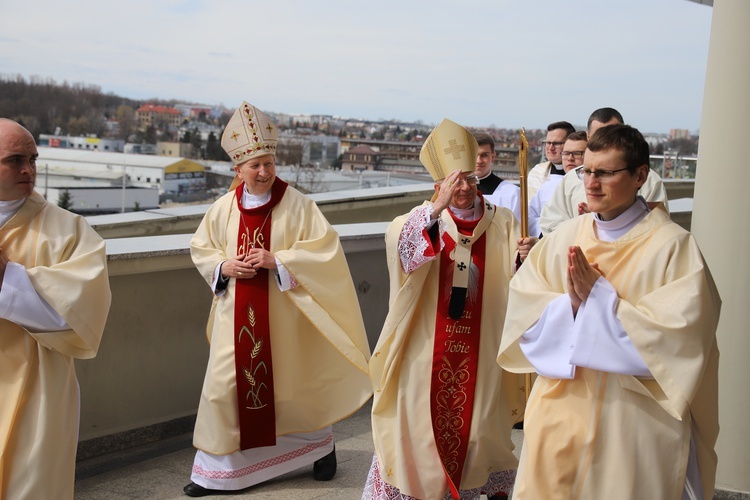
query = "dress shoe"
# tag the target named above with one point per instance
(325, 468)
(499, 496)
(195, 490)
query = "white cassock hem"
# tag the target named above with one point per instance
(242, 469)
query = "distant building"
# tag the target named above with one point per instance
(139, 149)
(144, 171)
(194, 111)
(184, 180)
(203, 130)
(174, 149)
(360, 158)
(305, 150)
(323, 149)
(151, 115)
(679, 133)
(402, 156)
(89, 143)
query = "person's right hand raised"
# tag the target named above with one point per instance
(445, 193)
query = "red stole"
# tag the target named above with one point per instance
(252, 340)
(455, 358)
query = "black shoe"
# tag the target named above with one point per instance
(498, 497)
(325, 468)
(518, 425)
(195, 490)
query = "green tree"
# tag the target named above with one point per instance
(197, 143)
(79, 126)
(336, 164)
(126, 118)
(214, 150)
(65, 200)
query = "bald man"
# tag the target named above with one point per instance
(54, 301)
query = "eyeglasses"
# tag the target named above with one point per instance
(553, 144)
(600, 175)
(572, 154)
(470, 180)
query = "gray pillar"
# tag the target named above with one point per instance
(721, 215)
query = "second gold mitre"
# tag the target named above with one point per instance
(448, 148)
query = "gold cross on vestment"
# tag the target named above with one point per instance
(455, 149)
(234, 135)
(269, 127)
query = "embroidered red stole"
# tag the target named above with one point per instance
(252, 340)
(456, 355)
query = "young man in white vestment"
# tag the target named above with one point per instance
(443, 410)
(501, 192)
(54, 301)
(617, 313)
(542, 172)
(288, 349)
(572, 158)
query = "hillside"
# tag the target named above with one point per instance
(43, 106)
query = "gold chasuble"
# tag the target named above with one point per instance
(605, 435)
(443, 409)
(319, 353)
(39, 410)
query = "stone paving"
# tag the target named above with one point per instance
(161, 470)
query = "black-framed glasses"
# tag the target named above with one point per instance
(553, 144)
(600, 175)
(572, 154)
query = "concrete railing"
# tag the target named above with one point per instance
(340, 207)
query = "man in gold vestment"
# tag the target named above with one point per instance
(443, 410)
(288, 350)
(617, 312)
(54, 300)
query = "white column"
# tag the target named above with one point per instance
(721, 223)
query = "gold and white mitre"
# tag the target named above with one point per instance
(448, 148)
(249, 133)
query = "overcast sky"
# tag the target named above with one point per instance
(505, 63)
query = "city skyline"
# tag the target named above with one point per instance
(504, 64)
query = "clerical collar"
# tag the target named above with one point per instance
(610, 230)
(489, 183)
(469, 214)
(255, 200)
(9, 208)
(556, 169)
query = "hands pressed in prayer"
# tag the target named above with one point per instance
(581, 277)
(525, 245)
(583, 208)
